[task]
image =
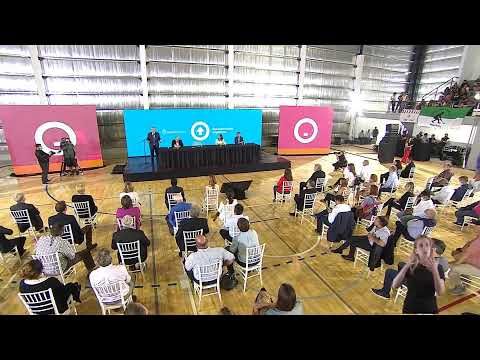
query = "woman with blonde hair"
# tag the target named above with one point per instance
(129, 190)
(340, 189)
(365, 190)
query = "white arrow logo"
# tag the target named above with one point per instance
(199, 128)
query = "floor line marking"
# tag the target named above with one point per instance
(154, 267)
(456, 302)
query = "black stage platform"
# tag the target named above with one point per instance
(137, 169)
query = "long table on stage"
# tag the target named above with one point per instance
(191, 157)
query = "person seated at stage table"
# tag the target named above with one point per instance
(177, 143)
(80, 196)
(364, 189)
(174, 189)
(129, 190)
(226, 232)
(448, 193)
(379, 235)
(467, 262)
(398, 167)
(405, 173)
(246, 239)
(413, 228)
(340, 189)
(327, 217)
(180, 206)
(239, 139)
(79, 234)
(299, 198)
(220, 140)
(33, 213)
(7, 245)
(399, 204)
(367, 208)
(287, 176)
(286, 303)
(341, 161)
(444, 177)
(365, 171)
(423, 203)
(191, 224)
(130, 234)
(206, 256)
(128, 209)
(472, 210)
(317, 174)
(391, 183)
(230, 200)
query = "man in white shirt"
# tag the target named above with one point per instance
(378, 235)
(365, 171)
(230, 226)
(392, 181)
(443, 195)
(206, 256)
(424, 203)
(109, 274)
(326, 218)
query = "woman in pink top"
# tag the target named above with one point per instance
(467, 262)
(128, 209)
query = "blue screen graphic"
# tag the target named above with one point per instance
(193, 126)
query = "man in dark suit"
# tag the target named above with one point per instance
(82, 197)
(177, 143)
(191, 224)
(239, 139)
(63, 219)
(172, 190)
(318, 173)
(300, 198)
(130, 234)
(7, 245)
(153, 139)
(33, 212)
(406, 170)
(43, 160)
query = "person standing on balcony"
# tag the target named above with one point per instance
(392, 101)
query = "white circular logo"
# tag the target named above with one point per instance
(53, 125)
(308, 139)
(200, 131)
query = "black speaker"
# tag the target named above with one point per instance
(392, 129)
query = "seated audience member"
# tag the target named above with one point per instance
(365, 187)
(230, 200)
(172, 190)
(181, 206)
(35, 281)
(79, 235)
(287, 176)
(7, 245)
(52, 243)
(447, 192)
(413, 228)
(461, 190)
(317, 174)
(33, 212)
(398, 165)
(128, 209)
(206, 256)
(136, 308)
(444, 177)
(423, 203)
(324, 217)
(300, 198)
(191, 224)
(475, 183)
(130, 234)
(333, 178)
(107, 273)
(467, 262)
(398, 168)
(226, 233)
(390, 274)
(391, 183)
(378, 235)
(340, 189)
(80, 196)
(341, 161)
(400, 204)
(367, 207)
(129, 190)
(350, 174)
(246, 239)
(472, 210)
(212, 183)
(406, 170)
(365, 171)
(286, 303)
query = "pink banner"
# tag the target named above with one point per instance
(305, 130)
(25, 125)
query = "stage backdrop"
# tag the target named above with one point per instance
(305, 130)
(25, 125)
(194, 126)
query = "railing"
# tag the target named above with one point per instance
(435, 91)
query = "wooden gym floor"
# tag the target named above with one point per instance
(326, 283)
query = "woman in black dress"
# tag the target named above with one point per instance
(33, 281)
(424, 278)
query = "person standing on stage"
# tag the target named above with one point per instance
(69, 156)
(239, 139)
(220, 140)
(153, 139)
(177, 143)
(43, 160)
